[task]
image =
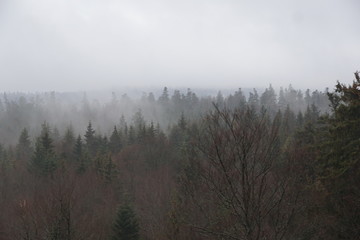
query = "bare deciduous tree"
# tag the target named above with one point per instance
(237, 184)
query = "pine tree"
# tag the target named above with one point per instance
(126, 226)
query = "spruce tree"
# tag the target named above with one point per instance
(339, 161)
(68, 143)
(253, 100)
(164, 98)
(44, 160)
(3, 158)
(79, 155)
(90, 141)
(109, 170)
(126, 226)
(115, 141)
(23, 148)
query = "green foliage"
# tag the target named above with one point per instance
(44, 160)
(338, 161)
(79, 155)
(126, 226)
(340, 148)
(4, 163)
(23, 148)
(68, 144)
(109, 170)
(90, 140)
(268, 100)
(115, 141)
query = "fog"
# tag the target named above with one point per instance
(83, 45)
(192, 119)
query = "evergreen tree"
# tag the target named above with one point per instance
(282, 100)
(289, 121)
(23, 148)
(131, 135)
(150, 132)
(176, 99)
(3, 159)
(164, 98)
(90, 141)
(68, 144)
(115, 141)
(311, 114)
(102, 144)
(138, 120)
(79, 155)
(253, 100)
(78, 149)
(55, 135)
(151, 98)
(339, 161)
(268, 100)
(238, 100)
(219, 99)
(109, 170)
(299, 119)
(44, 159)
(126, 226)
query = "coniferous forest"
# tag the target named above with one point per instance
(250, 165)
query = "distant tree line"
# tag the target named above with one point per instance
(61, 111)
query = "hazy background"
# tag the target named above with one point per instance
(71, 45)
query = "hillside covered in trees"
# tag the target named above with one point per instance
(257, 165)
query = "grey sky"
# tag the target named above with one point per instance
(98, 44)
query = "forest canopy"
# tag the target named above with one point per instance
(248, 165)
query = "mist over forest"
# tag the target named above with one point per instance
(177, 164)
(164, 108)
(179, 120)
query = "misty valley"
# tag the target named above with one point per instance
(251, 164)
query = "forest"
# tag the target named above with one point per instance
(249, 165)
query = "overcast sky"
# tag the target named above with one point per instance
(66, 45)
